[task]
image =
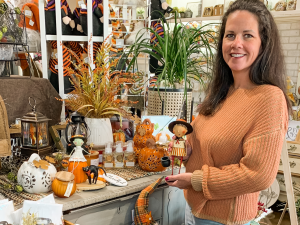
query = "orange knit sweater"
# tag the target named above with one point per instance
(236, 154)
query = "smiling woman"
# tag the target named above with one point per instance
(239, 132)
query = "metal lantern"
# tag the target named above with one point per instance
(77, 123)
(35, 132)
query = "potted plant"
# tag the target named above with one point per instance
(188, 13)
(185, 53)
(95, 91)
(174, 11)
(182, 12)
(140, 13)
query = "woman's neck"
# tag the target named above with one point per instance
(242, 80)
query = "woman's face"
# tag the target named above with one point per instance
(241, 41)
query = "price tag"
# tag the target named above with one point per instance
(109, 165)
(80, 2)
(31, 23)
(95, 162)
(100, 158)
(83, 6)
(28, 13)
(56, 67)
(69, 189)
(55, 55)
(120, 43)
(86, 59)
(93, 66)
(119, 165)
(129, 163)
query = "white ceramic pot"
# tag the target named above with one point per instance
(99, 132)
(36, 180)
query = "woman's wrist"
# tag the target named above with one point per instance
(196, 180)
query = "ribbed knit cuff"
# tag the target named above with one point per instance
(196, 180)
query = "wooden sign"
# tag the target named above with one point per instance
(218, 10)
(292, 131)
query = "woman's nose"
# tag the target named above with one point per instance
(237, 42)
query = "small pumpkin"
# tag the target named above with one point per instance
(150, 157)
(76, 169)
(119, 135)
(65, 163)
(61, 182)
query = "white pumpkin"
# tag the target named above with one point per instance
(36, 180)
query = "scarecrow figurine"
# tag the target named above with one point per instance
(180, 128)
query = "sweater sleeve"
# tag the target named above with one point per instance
(258, 167)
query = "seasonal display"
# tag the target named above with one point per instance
(142, 216)
(61, 184)
(119, 135)
(143, 132)
(36, 175)
(150, 157)
(180, 128)
(92, 169)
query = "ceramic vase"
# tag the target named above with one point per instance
(99, 132)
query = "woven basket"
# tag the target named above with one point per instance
(173, 99)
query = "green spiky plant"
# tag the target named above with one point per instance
(178, 52)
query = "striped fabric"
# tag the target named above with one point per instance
(66, 60)
(95, 5)
(76, 47)
(158, 28)
(236, 154)
(51, 5)
(76, 12)
(52, 64)
(178, 152)
(142, 215)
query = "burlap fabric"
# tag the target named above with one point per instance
(5, 148)
(16, 91)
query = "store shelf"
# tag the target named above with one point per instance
(293, 15)
(73, 38)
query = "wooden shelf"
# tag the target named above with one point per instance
(293, 15)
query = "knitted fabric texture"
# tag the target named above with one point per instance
(142, 215)
(238, 151)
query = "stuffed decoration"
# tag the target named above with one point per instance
(291, 5)
(135, 27)
(53, 63)
(51, 19)
(97, 18)
(142, 216)
(118, 31)
(280, 6)
(180, 128)
(75, 22)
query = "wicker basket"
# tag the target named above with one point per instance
(173, 99)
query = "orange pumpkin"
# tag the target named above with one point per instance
(65, 163)
(150, 157)
(143, 133)
(119, 135)
(61, 182)
(159, 134)
(80, 175)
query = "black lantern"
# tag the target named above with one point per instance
(35, 132)
(77, 124)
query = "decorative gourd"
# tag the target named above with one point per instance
(143, 133)
(33, 178)
(65, 163)
(150, 157)
(159, 134)
(61, 182)
(80, 176)
(119, 135)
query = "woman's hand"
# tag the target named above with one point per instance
(181, 181)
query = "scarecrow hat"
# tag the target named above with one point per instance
(34, 22)
(181, 119)
(78, 134)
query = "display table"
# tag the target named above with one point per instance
(114, 205)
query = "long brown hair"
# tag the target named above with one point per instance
(268, 68)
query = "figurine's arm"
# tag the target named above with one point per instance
(164, 4)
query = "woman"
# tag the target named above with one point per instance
(238, 135)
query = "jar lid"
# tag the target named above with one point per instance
(64, 176)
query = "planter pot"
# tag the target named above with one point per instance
(173, 99)
(99, 131)
(36, 180)
(188, 14)
(182, 15)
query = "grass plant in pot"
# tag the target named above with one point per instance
(185, 53)
(95, 91)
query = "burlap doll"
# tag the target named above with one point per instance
(51, 19)
(5, 147)
(97, 18)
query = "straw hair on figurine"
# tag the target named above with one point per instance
(179, 128)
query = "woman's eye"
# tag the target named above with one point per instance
(248, 36)
(230, 35)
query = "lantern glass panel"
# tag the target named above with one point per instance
(42, 134)
(28, 133)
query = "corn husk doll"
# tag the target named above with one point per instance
(180, 128)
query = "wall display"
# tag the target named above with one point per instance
(219, 10)
(208, 11)
(291, 5)
(280, 6)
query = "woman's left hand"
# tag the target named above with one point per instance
(181, 181)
